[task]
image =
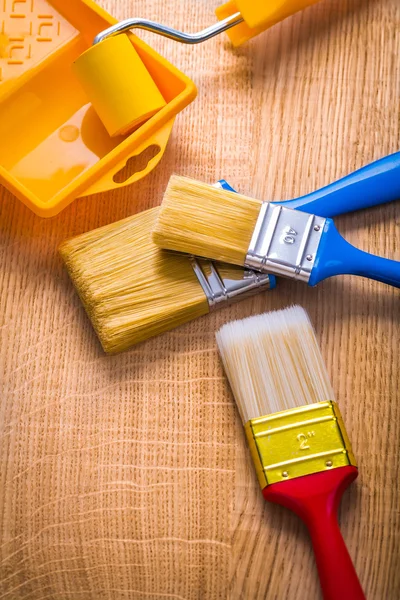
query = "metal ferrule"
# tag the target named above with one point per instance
(299, 442)
(220, 287)
(169, 32)
(285, 242)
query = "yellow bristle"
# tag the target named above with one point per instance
(206, 221)
(273, 362)
(130, 288)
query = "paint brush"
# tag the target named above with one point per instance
(300, 448)
(132, 290)
(283, 239)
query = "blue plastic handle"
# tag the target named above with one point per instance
(225, 185)
(374, 184)
(336, 256)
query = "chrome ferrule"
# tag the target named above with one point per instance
(285, 242)
(223, 288)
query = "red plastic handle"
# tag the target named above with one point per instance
(315, 499)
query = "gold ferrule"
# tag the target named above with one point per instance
(298, 442)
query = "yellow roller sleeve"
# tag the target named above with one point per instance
(118, 85)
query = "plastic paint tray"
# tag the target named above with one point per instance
(53, 147)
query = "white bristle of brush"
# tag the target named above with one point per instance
(200, 219)
(273, 362)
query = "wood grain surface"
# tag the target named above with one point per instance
(128, 477)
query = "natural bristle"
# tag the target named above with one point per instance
(273, 362)
(200, 219)
(131, 289)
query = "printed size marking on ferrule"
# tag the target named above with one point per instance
(219, 288)
(285, 242)
(298, 442)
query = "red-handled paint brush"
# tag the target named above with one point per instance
(296, 435)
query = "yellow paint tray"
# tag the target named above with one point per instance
(54, 147)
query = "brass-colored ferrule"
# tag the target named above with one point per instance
(298, 442)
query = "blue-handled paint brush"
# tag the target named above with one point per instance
(281, 239)
(132, 290)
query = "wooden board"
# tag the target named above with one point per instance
(129, 477)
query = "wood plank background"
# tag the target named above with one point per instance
(129, 477)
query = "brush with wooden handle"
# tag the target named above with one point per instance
(285, 238)
(300, 448)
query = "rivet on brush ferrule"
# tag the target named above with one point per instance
(220, 288)
(285, 242)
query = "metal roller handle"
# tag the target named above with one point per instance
(169, 32)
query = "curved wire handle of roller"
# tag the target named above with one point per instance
(169, 32)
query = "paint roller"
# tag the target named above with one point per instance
(120, 86)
